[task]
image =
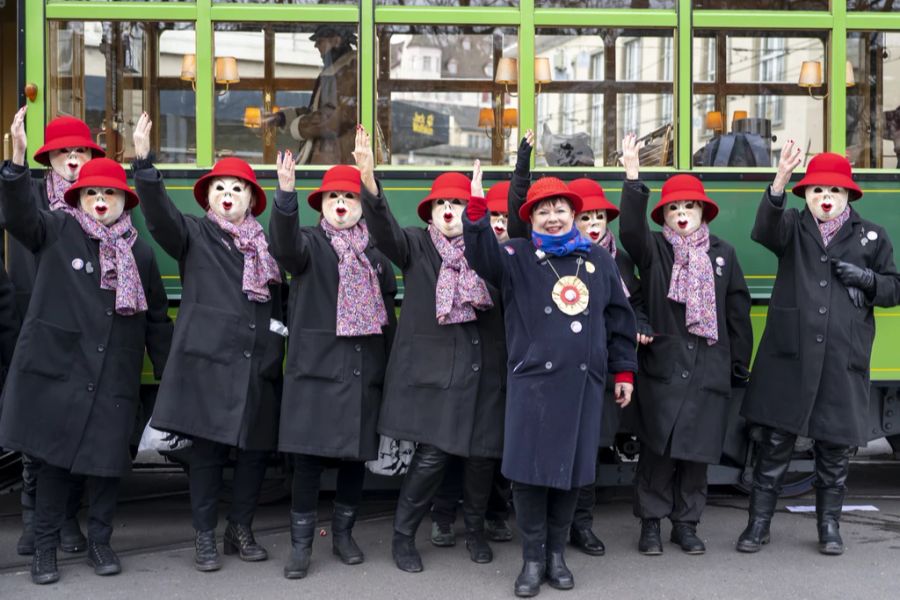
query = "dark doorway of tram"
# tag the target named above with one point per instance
(10, 75)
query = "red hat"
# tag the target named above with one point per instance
(829, 169)
(449, 186)
(592, 197)
(544, 188)
(342, 178)
(66, 132)
(497, 198)
(101, 173)
(684, 187)
(231, 167)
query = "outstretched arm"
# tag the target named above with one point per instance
(633, 228)
(481, 248)
(287, 243)
(518, 188)
(774, 226)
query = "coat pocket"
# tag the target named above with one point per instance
(861, 337)
(210, 334)
(319, 354)
(48, 350)
(431, 360)
(783, 331)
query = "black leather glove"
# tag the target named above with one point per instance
(523, 158)
(643, 328)
(857, 297)
(853, 276)
(740, 376)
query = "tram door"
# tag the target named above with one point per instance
(9, 70)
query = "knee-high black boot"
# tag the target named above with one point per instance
(832, 466)
(775, 451)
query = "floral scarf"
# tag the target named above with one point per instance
(56, 189)
(460, 291)
(829, 229)
(693, 283)
(260, 269)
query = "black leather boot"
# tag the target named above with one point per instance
(528, 583)
(103, 559)
(650, 542)
(239, 539)
(558, 574)
(829, 503)
(762, 507)
(406, 557)
(43, 566)
(303, 527)
(71, 539)
(342, 543)
(25, 545)
(685, 535)
(585, 540)
(497, 530)
(206, 556)
(442, 535)
(479, 550)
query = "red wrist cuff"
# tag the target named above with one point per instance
(624, 377)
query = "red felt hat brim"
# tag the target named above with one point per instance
(70, 141)
(710, 208)
(828, 179)
(600, 203)
(499, 206)
(200, 189)
(315, 198)
(72, 194)
(573, 198)
(448, 193)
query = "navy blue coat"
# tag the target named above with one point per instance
(556, 374)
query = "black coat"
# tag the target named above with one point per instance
(223, 382)
(811, 374)
(684, 384)
(74, 383)
(20, 262)
(445, 384)
(557, 374)
(333, 385)
(9, 323)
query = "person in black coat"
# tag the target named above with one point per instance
(697, 300)
(811, 374)
(67, 147)
(341, 316)
(74, 382)
(9, 323)
(445, 381)
(568, 324)
(222, 387)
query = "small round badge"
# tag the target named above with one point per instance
(576, 326)
(509, 250)
(589, 267)
(720, 261)
(872, 235)
(77, 264)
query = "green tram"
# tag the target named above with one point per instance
(713, 86)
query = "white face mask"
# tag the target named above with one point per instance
(499, 224)
(104, 205)
(684, 216)
(67, 162)
(592, 224)
(447, 216)
(229, 198)
(342, 210)
(826, 202)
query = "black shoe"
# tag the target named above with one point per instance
(239, 540)
(303, 527)
(558, 574)
(70, 537)
(206, 556)
(685, 535)
(25, 545)
(584, 539)
(754, 536)
(497, 530)
(479, 550)
(406, 557)
(103, 559)
(528, 583)
(342, 543)
(830, 541)
(829, 504)
(442, 535)
(650, 542)
(43, 566)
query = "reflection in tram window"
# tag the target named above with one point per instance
(656, 4)
(763, 4)
(873, 103)
(107, 73)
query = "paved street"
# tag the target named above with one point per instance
(154, 539)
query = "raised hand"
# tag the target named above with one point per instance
(523, 155)
(141, 136)
(477, 187)
(631, 158)
(365, 159)
(790, 159)
(19, 139)
(287, 174)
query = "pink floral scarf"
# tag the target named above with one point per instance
(260, 269)
(360, 306)
(693, 283)
(608, 242)
(829, 229)
(56, 189)
(460, 291)
(118, 269)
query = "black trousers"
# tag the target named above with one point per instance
(51, 500)
(668, 487)
(30, 469)
(423, 479)
(584, 508)
(774, 456)
(446, 501)
(544, 516)
(307, 479)
(208, 460)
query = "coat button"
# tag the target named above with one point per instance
(475, 341)
(586, 312)
(823, 258)
(358, 347)
(548, 365)
(583, 367)
(820, 338)
(823, 283)
(476, 368)
(90, 387)
(109, 312)
(823, 310)
(685, 374)
(247, 354)
(101, 348)
(252, 325)
(356, 372)
(547, 310)
(690, 345)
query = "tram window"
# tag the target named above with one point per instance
(296, 89)
(107, 73)
(873, 102)
(438, 103)
(746, 101)
(605, 83)
(286, 1)
(448, 2)
(874, 5)
(656, 4)
(763, 4)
